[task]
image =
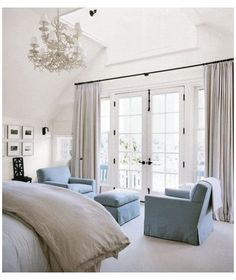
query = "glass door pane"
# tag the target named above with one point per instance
(165, 140)
(130, 142)
(104, 140)
(200, 127)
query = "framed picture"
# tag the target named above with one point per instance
(13, 149)
(13, 131)
(27, 148)
(28, 132)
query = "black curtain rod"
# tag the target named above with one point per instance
(154, 72)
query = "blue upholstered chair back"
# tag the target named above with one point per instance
(59, 174)
(202, 194)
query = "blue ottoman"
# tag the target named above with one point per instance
(123, 205)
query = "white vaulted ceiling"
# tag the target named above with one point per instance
(132, 34)
(125, 35)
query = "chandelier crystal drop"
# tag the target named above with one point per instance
(61, 50)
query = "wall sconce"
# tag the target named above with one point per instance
(92, 12)
(45, 130)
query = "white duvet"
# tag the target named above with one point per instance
(76, 232)
(21, 248)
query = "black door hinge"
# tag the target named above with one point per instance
(183, 130)
(114, 160)
(114, 132)
(183, 97)
(183, 164)
(114, 104)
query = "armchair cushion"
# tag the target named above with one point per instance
(80, 188)
(58, 184)
(91, 182)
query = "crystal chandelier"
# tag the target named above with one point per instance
(61, 50)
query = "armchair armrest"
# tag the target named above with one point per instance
(178, 193)
(58, 184)
(75, 180)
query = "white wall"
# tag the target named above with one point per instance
(62, 124)
(42, 149)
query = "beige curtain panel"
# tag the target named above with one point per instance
(86, 132)
(220, 132)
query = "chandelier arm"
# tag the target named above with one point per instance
(45, 38)
(66, 45)
(53, 24)
(68, 37)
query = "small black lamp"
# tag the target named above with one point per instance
(45, 130)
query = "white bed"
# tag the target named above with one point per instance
(46, 228)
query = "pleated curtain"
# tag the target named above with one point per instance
(86, 132)
(219, 94)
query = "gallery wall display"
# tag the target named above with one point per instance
(15, 140)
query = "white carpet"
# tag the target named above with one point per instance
(149, 254)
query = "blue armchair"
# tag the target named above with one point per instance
(182, 216)
(60, 176)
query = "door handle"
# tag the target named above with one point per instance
(143, 162)
(149, 162)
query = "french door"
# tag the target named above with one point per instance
(149, 137)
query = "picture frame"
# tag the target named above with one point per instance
(27, 148)
(13, 131)
(28, 132)
(13, 149)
